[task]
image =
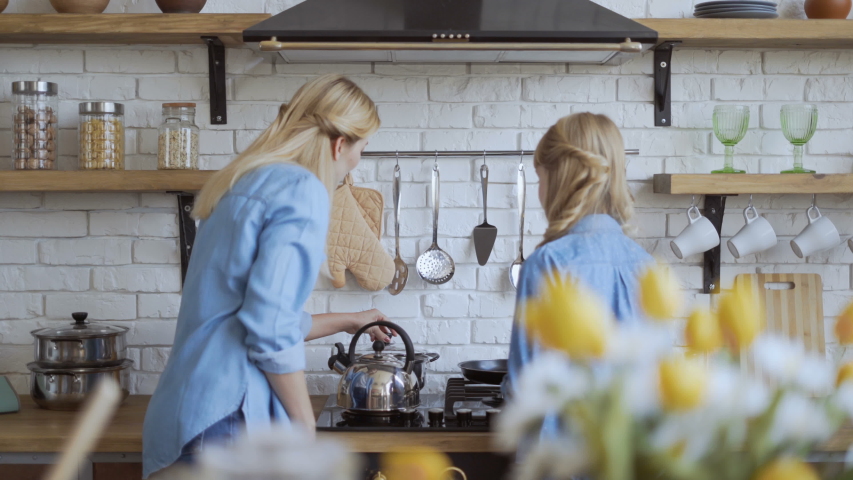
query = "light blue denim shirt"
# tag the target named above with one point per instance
(254, 263)
(596, 253)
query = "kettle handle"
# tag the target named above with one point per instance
(410, 349)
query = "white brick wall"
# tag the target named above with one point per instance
(116, 255)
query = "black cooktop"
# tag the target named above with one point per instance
(464, 407)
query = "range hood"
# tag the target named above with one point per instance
(451, 31)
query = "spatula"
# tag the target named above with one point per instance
(484, 234)
(401, 270)
(515, 268)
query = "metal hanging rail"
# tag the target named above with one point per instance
(464, 153)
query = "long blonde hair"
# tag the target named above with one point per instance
(322, 110)
(584, 156)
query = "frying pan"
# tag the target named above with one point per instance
(490, 372)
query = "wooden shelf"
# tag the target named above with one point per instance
(188, 28)
(100, 181)
(123, 28)
(734, 184)
(744, 33)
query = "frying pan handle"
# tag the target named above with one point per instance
(410, 349)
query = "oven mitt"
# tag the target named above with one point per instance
(9, 402)
(354, 233)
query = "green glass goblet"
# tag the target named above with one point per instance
(799, 123)
(730, 124)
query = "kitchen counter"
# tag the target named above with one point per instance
(35, 430)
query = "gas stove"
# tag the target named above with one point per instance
(464, 407)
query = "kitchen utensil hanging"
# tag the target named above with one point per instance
(484, 234)
(435, 266)
(401, 270)
(515, 268)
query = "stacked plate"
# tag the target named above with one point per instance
(736, 9)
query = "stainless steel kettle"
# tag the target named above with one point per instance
(376, 382)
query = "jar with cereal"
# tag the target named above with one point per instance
(101, 135)
(178, 141)
(34, 125)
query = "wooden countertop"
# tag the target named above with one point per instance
(37, 430)
(34, 430)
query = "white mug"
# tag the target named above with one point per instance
(699, 235)
(756, 236)
(818, 235)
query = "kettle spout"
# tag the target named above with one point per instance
(339, 361)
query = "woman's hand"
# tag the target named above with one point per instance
(361, 319)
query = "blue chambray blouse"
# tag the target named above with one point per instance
(254, 263)
(598, 254)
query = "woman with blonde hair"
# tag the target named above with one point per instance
(582, 187)
(238, 355)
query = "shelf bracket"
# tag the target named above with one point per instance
(715, 207)
(186, 225)
(216, 72)
(663, 84)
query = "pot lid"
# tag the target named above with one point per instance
(381, 356)
(80, 329)
(35, 368)
(399, 351)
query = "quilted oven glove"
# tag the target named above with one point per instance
(354, 244)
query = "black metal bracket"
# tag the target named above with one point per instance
(663, 83)
(216, 72)
(715, 208)
(186, 225)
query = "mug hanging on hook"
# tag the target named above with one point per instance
(756, 235)
(699, 236)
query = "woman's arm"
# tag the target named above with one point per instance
(292, 390)
(325, 324)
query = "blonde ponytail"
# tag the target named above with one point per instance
(584, 156)
(322, 110)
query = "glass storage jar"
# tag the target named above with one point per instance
(34, 125)
(178, 140)
(101, 135)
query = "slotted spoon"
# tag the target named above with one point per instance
(435, 265)
(515, 268)
(401, 270)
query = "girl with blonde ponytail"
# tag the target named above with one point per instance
(582, 187)
(238, 355)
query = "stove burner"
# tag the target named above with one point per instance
(392, 419)
(464, 391)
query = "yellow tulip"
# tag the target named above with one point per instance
(786, 469)
(845, 374)
(568, 317)
(741, 317)
(660, 295)
(420, 463)
(702, 333)
(844, 325)
(683, 383)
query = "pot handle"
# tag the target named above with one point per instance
(410, 349)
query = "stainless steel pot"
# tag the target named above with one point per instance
(81, 345)
(377, 383)
(67, 389)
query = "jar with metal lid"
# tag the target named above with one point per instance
(34, 125)
(178, 140)
(101, 135)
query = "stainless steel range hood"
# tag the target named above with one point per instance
(451, 31)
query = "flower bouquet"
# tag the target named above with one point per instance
(620, 402)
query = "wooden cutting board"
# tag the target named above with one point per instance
(793, 305)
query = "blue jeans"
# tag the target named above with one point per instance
(221, 432)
